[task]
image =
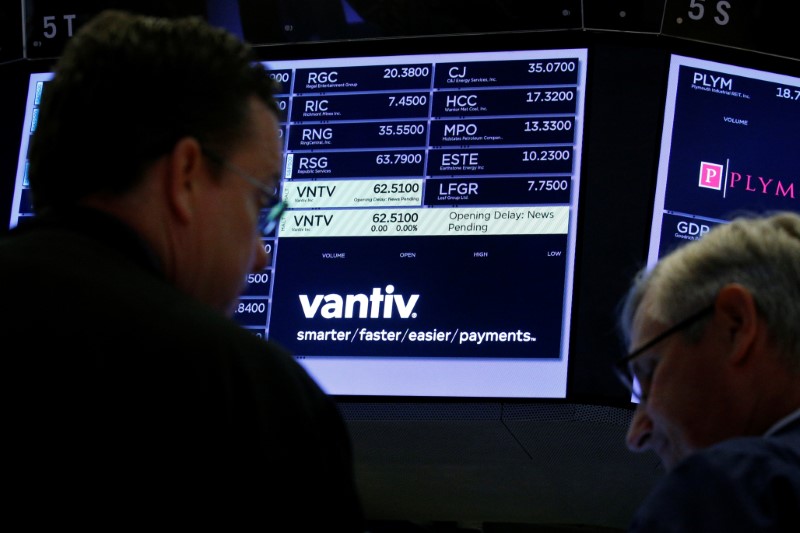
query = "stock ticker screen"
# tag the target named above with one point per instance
(429, 244)
(729, 146)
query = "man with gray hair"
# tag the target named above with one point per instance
(715, 331)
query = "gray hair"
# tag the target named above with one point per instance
(762, 253)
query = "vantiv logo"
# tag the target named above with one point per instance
(376, 305)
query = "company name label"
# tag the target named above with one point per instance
(375, 305)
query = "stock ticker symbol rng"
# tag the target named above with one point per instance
(711, 175)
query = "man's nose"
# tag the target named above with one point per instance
(639, 432)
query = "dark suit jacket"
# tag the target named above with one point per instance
(132, 404)
(746, 484)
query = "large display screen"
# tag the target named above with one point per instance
(429, 244)
(729, 145)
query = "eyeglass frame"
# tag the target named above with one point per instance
(622, 365)
(269, 193)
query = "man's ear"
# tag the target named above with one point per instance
(185, 169)
(738, 319)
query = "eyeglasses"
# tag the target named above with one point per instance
(638, 385)
(272, 207)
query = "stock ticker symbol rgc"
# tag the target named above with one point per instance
(711, 175)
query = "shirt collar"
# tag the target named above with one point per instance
(783, 422)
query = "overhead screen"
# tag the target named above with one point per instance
(429, 247)
(729, 146)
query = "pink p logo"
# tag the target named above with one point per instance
(710, 176)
